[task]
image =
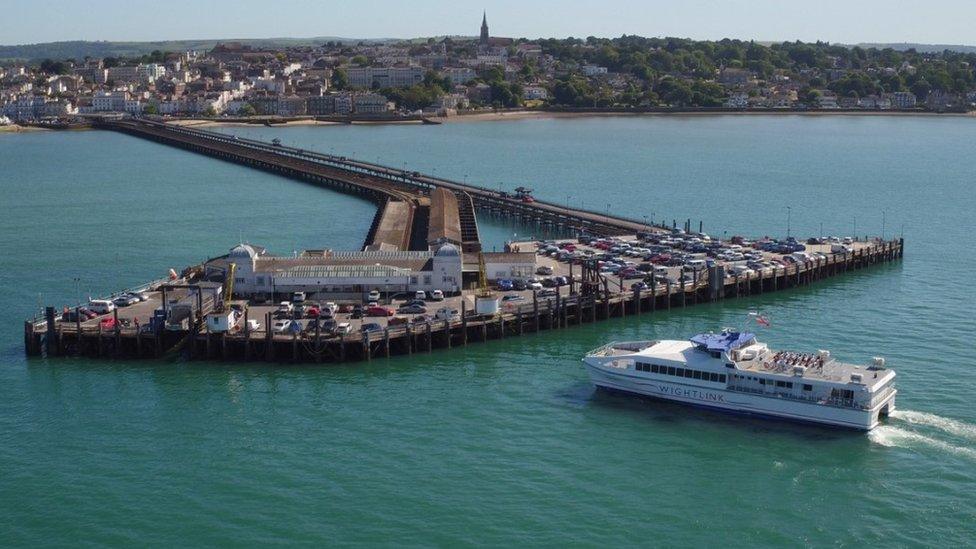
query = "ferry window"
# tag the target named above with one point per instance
(698, 374)
(762, 381)
(789, 384)
(713, 377)
(670, 370)
(688, 373)
(721, 378)
(653, 368)
(780, 384)
(716, 354)
(729, 365)
(807, 387)
(646, 367)
(678, 372)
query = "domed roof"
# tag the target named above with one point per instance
(447, 250)
(243, 250)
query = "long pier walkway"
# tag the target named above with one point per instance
(374, 180)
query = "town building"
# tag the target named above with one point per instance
(384, 77)
(338, 274)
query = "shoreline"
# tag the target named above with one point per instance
(538, 115)
(515, 115)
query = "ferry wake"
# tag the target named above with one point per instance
(734, 372)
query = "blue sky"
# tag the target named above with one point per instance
(934, 21)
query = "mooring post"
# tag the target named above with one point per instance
(429, 341)
(464, 321)
(535, 309)
(409, 339)
(52, 340)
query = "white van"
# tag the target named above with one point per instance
(343, 328)
(694, 265)
(101, 306)
(421, 295)
(298, 297)
(437, 295)
(447, 314)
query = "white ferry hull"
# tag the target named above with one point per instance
(738, 402)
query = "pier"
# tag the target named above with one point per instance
(416, 213)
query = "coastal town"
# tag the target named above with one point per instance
(439, 77)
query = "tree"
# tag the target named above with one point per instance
(248, 110)
(340, 80)
(151, 109)
(209, 111)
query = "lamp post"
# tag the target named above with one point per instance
(855, 227)
(789, 220)
(884, 219)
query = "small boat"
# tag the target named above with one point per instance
(733, 372)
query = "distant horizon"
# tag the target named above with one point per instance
(834, 21)
(352, 39)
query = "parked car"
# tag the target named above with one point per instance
(397, 320)
(412, 309)
(504, 285)
(371, 327)
(281, 325)
(536, 286)
(519, 285)
(544, 271)
(549, 283)
(437, 295)
(512, 297)
(343, 328)
(125, 300)
(374, 295)
(561, 281)
(548, 292)
(379, 310)
(313, 311)
(420, 295)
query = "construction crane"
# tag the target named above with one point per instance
(483, 289)
(229, 282)
(485, 303)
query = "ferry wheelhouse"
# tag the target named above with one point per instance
(732, 371)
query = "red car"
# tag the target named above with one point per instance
(312, 312)
(661, 258)
(107, 323)
(379, 310)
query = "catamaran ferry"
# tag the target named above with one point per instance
(731, 371)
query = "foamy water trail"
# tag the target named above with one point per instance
(951, 426)
(891, 436)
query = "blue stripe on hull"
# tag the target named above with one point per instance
(734, 412)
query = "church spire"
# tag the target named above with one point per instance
(484, 28)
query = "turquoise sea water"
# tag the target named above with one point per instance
(504, 443)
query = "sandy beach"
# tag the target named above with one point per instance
(14, 128)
